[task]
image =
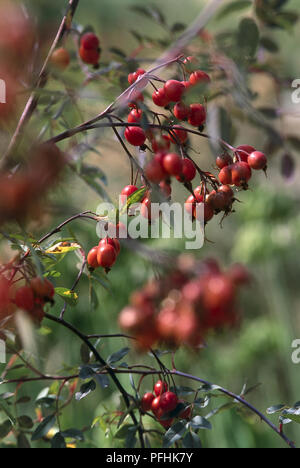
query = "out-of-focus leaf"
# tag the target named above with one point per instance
(269, 44)
(5, 428)
(191, 440)
(233, 7)
(275, 409)
(85, 390)
(44, 427)
(288, 166)
(175, 433)
(248, 37)
(118, 355)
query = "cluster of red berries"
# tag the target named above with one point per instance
(89, 50)
(183, 306)
(31, 298)
(104, 254)
(238, 171)
(165, 405)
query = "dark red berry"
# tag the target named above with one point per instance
(168, 401)
(146, 402)
(225, 175)
(92, 257)
(172, 164)
(241, 173)
(224, 160)
(160, 387)
(197, 116)
(106, 256)
(181, 111)
(25, 298)
(90, 41)
(257, 160)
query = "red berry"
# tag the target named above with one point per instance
(224, 160)
(126, 192)
(174, 90)
(132, 77)
(187, 85)
(154, 171)
(243, 152)
(42, 288)
(160, 98)
(168, 401)
(197, 115)
(217, 200)
(92, 257)
(25, 298)
(225, 175)
(135, 136)
(257, 160)
(199, 76)
(172, 164)
(135, 116)
(219, 292)
(106, 256)
(162, 143)
(89, 56)
(227, 190)
(160, 387)
(181, 111)
(146, 210)
(241, 173)
(89, 41)
(156, 408)
(188, 171)
(208, 212)
(146, 402)
(178, 135)
(191, 202)
(114, 242)
(61, 58)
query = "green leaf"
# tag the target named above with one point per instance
(234, 7)
(275, 409)
(248, 37)
(85, 353)
(182, 391)
(25, 422)
(43, 428)
(115, 357)
(269, 44)
(122, 432)
(191, 440)
(85, 390)
(198, 422)
(5, 428)
(175, 433)
(102, 380)
(73, 434)
(67, 295)
(293, 414)
(58, 441)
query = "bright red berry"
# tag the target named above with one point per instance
(174, 90)
(197, 116)
(243, 152)
(178, 135)
(114, 242)
(199, 76)
(168, 401)
(160, 98)
(89, 56)
(132, 77)
(188, 171)
(146, 402)
(89, 41)
(172, 164)
(156, 407)
(92, 257)
(181, 111)
(106, 256)
(257, 160)
(160, 387)
(135, 136)
(25, 298)
(135, 116)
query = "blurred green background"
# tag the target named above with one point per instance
(264, 234)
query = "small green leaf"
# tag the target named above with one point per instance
(115, 357)
(5, 428)
(174, 434)
(275, 409)
(234, 7)
(191, 440)
(248, 37)
(43, 428)
(25, 422)
(198, 422)
(85, 390)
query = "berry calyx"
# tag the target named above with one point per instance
(106, 256)
(172, 164)
(257, 161)
(135, 136)
(160, 387)
(174, 90)
(197, 116)
(92, 258)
